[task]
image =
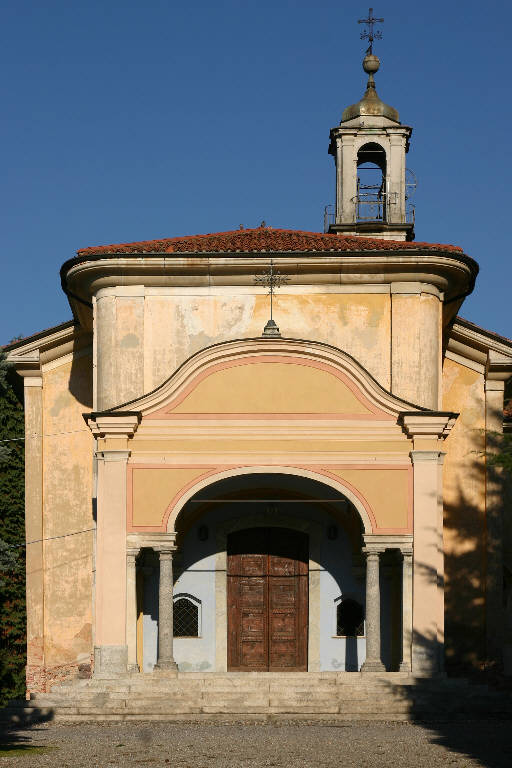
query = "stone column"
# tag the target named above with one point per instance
(165, 614)
(373, 661)
(405, 664)
(347, 181)
(131, 609)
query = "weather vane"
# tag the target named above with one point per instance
(369, 33)
(271, 280)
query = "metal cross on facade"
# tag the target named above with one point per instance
(369, 33)
(272, 280)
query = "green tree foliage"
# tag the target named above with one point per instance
(12, 538)
(499, 453)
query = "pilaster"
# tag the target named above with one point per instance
(34, 524)
(428, 429)
(114, 432)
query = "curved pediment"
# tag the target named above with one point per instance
(263, 378)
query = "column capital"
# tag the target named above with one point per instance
(165, 554)
(132, 552)
(372, 551)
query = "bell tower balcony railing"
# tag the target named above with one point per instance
(368, 208)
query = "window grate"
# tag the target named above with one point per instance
(186, 618)
(349, 618)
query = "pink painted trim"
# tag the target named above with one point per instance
(270, 416)
(218, 469)
(253, 359)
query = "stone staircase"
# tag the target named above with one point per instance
(262, 696)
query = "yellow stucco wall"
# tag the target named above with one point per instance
(271, 387)
(156, 333)
(67, 510)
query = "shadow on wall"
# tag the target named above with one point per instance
(477, 600)
(80, 379)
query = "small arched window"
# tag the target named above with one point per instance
(349, 618)
(187, 616)
(371, 183)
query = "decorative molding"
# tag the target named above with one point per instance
(165, 542)
(119, 424)
(498, 369)
(382, 404)
(378, 542)
(471, 346)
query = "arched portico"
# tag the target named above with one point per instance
(260, 407)
(245, 501)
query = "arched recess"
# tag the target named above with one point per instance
(322, 476)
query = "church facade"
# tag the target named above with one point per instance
(211, 491)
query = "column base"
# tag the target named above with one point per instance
(169, 668)
(373, 666)
(404, 667)
(110, 661)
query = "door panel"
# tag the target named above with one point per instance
(267, 599)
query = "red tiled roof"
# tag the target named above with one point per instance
(263, 239)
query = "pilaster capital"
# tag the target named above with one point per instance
(32, 379)
(113, 455)
(436, 457)
(435, 424)
(113, 424)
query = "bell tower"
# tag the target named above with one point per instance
(369, 147)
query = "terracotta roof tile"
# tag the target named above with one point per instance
(262, 239)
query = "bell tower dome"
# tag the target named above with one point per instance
(369, 147)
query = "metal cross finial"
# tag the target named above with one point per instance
(369, 34)
(271, 280)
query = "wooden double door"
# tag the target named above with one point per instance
(267, 594)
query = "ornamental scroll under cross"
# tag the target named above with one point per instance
(369, 34)
(271, 279)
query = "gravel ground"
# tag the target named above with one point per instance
(378, 745)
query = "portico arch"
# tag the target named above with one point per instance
(322, 476)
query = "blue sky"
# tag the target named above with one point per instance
(141, 119)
